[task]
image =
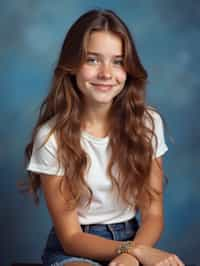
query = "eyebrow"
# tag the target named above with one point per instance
(98, 54)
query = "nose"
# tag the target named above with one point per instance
(105, 71)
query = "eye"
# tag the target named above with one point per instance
(91, 60)
(118, 62)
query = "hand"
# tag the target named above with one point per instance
(124, 260)
(149, 256)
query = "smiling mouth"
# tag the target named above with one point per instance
(103, 87)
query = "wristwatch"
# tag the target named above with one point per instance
(124, 247)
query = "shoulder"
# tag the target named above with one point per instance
(44, 135)
(156, 125)
(44, 157)
(152, 118)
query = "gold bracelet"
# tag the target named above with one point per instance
(124, 247)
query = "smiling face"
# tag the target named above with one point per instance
(101, 77)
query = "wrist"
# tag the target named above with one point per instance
(124, 247)
(128, 247)
(136, 250)
(131, 248)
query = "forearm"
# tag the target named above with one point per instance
(150, 231)
(96, 247)
(92, 246)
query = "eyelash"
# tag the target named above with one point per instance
(95, 60)
(91, 60)
(119, 62)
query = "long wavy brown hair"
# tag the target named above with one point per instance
(130, 139)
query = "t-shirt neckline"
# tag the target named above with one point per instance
(92, 138)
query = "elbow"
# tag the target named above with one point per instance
(69, 245)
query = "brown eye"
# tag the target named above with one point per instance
(92, 60)
(118, 62)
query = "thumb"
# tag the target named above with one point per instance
(113, 264)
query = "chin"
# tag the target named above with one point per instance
(104, 101)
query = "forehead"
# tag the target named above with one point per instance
(104, 42)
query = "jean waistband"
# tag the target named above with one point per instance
(114, 226)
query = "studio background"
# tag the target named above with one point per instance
(167, 38)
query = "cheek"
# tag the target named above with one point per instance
(121, 76)
(86, 73)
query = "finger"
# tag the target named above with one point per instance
(180, 263)
(175, 261)
(172, 261)
(165, 262)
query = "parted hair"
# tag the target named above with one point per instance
(130, 139)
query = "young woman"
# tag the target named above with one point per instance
(96, 152)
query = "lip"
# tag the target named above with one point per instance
(103, 87)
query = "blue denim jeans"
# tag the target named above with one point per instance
(54, 254)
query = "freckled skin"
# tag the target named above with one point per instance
(103, 66)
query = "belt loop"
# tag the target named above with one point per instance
(111, 230)
(86, 228)
(126, 225)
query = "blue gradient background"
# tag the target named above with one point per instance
(168, 41)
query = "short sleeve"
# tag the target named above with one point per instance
(44, 154)
(161, 147)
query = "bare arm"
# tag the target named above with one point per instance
(76, 242)
(152, 226)
(73, 240)
(152, 218)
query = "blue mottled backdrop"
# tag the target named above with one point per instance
(168, 40)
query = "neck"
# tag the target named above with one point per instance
(95, 116)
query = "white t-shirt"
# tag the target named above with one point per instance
(106, 207)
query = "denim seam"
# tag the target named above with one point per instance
(112, 232)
